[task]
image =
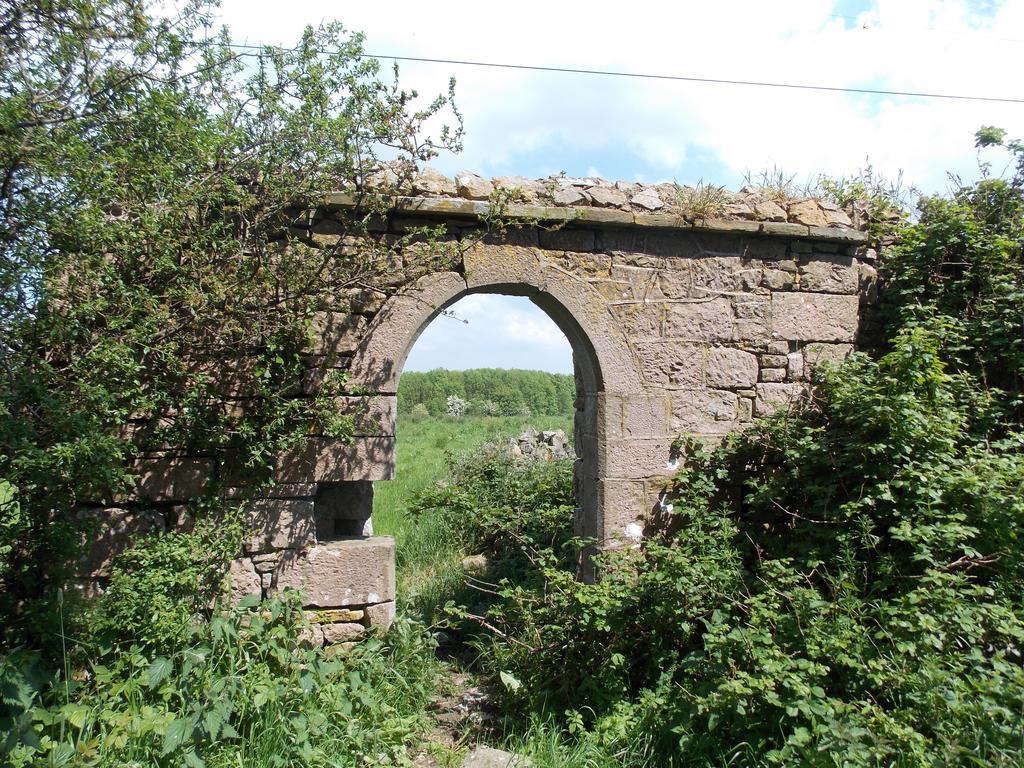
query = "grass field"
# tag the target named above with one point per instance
(428, 561)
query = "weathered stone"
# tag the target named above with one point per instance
(636, 459)
(814, 354)
(592, 265)
(312, 636)
(342, 573)
(164, 479)
(325, 460)
(714, 275)
(728, 367)
(624, 503)
(488, 757)
(109, 532)
(808, 213)
(838, 218)
(334, 615)
(432, 182)
(607, 197)
(766, 210)
(342, 632)
(567, 239)
(773, 397)
(839, 275)
(671, 364)
(473, 187)
(710, 320)
(279, 524)
(569, 196)
(775, 361)
(380, 616)
(778, 279)
(795, 366)
(645, 415)
(640, 318)
(814, 316)
(704, 411)
(372, 415)
(648, 200)
(242, 580)
(773, 374)
(336, 332)
(521, 187)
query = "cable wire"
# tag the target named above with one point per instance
(677, 78)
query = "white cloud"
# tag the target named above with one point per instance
(513, 116)
(488, 330)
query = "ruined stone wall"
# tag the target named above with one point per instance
(678, 327)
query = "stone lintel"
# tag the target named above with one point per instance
(605, 217)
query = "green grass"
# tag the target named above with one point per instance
(429, 561)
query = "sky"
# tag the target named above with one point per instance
(538, 123)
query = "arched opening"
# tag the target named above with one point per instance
(578, 358)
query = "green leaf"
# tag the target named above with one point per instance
(510, 681)
(158, 671)
(176, 735)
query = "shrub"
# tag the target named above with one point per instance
(241, 688)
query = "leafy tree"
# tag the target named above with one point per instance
(840, 585)
(157, 275)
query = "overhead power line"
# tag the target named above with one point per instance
(677, 78)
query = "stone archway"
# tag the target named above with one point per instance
(605, 373)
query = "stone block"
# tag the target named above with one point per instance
(567, 239)
(350, 572)
(711, 276)
(279, 524)
(728, 367)
(814, 317)
(815, 354)
(322, 460)
(795, 366)
(643, 283)
(778, 280)
(639, 318)
(372, 415)
(704, 411)
(623, 504)
(166, 479)
(671, 364)
(342, 632)
(637, 459)
(675, 282)
(773, 397)
(836, 275)
(380, 616)
(336, 333)
(710, 320)
(111, 531)
(587, 264)
(645, 415)
(774, 375)
(334, 615)
(242, 580)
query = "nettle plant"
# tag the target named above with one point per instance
(155, 290)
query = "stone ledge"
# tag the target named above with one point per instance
(604, 217)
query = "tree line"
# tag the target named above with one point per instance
(488, 392)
